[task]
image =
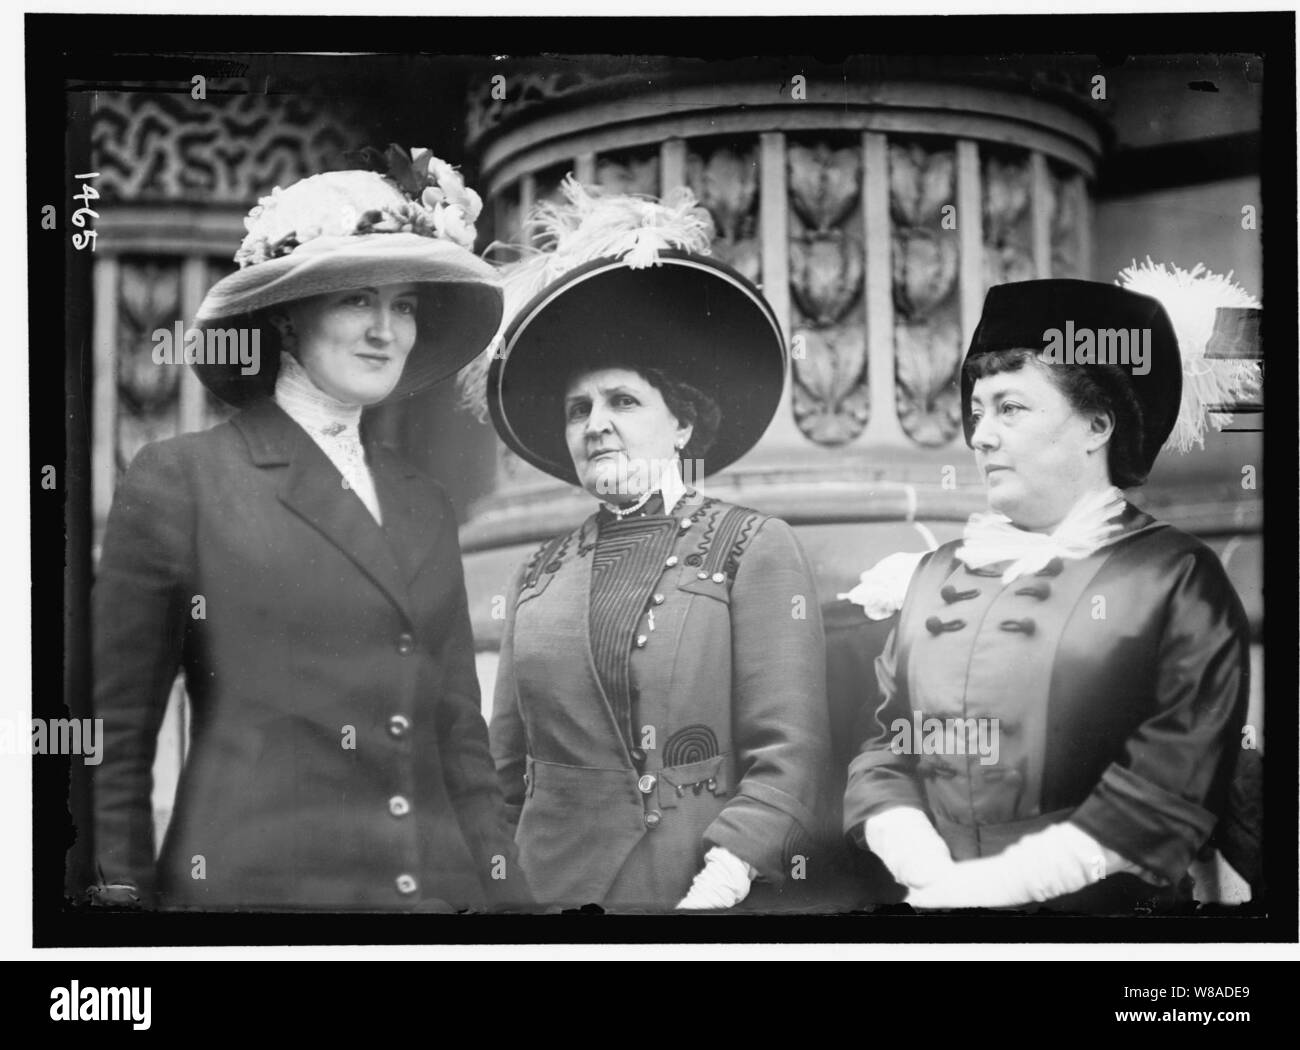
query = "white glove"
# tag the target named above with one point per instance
(908, 845)
(1058, 860)
(722, 883)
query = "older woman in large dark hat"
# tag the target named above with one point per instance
(1066, 685)
(308, 580)
(659, 722)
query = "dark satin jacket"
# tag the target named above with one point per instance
(1119, 682)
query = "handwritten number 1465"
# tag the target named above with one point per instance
(88, 193)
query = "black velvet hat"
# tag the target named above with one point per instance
(1055, 318)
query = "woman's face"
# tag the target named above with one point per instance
(1036, 452)
(354, 343)
(620, 433)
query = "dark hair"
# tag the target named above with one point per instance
(1088, 388)
(689, 405)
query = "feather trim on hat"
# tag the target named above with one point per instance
(587, 224)
(1190, 298)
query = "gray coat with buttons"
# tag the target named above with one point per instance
(338, 756)
(730, 741)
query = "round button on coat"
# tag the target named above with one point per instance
(719, 578)
(672, 560)
(406, 884)
(646, 784)
(405, 643)
(399, 806)
(653, 818)
(398, 725)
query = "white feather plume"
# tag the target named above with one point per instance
(1190, 298)
(587, 224)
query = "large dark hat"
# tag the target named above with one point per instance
(650, 298)
(352, 229)
(1040, 315)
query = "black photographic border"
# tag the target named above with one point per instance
(90, 48)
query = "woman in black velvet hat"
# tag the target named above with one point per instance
(1066, 685)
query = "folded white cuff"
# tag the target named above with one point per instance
(722, 883)
(1050, 863)
(908, 845)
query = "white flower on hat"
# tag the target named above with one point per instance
(454, 207)
(452, 224)
(326, 205)
(447, 182)
(421, 194)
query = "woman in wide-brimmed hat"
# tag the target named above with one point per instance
(1065, 687)
(659, 722)
(308, 581)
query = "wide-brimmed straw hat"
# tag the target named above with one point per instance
(353, 229)
(625, 281)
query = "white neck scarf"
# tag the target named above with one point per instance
(990, 539)
(334, 425)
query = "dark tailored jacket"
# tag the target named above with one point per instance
(732, 684)
(339, 758)
(1120, 685)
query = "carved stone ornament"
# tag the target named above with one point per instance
(148, 300)
(488, 102)
(147, 392)
(1067, 218)
(629, 174)
(826, 276)
(224, 148)
(920, 183)
(927, 358)
(725, 182)
(830, 395)
(1006, 190)
(824, 183)
(1010, 261)
(925, 269)
(1006, 195)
